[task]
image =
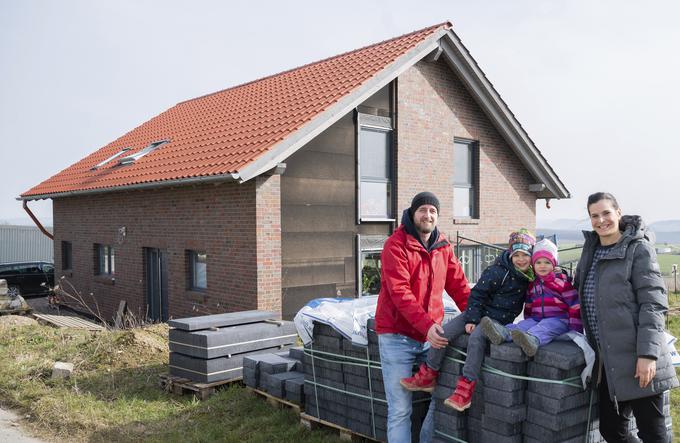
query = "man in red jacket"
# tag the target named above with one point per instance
(417, 265)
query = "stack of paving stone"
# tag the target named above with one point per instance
(211, 348)
(279, 374)
(506, 409)
(340, 387)
(558, 412)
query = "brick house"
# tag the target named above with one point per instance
(268, 194)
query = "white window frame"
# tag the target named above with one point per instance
(369, 122)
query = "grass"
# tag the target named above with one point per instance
(114, 396)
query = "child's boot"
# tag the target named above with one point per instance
(461, 398)
(494, 331)
(529, 343)
(424, 380)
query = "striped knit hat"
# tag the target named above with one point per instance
(521, 241)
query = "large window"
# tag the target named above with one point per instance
(465, 181)
(106, 259)
(198, 270)
(66, 255)
(369, 250)
(375, 167)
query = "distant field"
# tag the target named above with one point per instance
(666, 261)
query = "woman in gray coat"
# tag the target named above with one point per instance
(623, 307)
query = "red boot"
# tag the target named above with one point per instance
(424, 380)
(461, 398)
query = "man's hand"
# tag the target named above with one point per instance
(469, 328)
(645, 371)
(435, 337)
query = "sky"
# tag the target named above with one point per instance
(594, 83)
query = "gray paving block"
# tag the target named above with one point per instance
(508, 352)
(220, 320)
(552, 373)
(447, 379)
(511, 367)
(553, 390)
(500, 427)
(230, 340)
(451, 367)
(296, 353)
(276, 383)
(474, 424)
(453, 420)
(477, 409)
(205, 371)
(545, 435)
(449, 436)
(502, 382)
(273, 364)
(325, 329)
(560, 354)
(558, 405)
(513, 414)
(250, 377)
(558, 422)
(490, 436)
(226, 374)
(328, 343)
(504, 398)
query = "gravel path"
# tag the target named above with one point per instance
(10, 430)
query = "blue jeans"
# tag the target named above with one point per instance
(398, 355)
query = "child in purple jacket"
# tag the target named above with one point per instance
(552, 306)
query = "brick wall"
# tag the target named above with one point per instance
(268, 225)
(217, 219)
(433, 107)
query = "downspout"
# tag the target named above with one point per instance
(36, 221)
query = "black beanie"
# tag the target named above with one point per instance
(424, 198)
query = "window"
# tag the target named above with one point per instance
(134, 157)
(100, 164)
(66, 255)
(370, 248)
(465, 180)
(106, 260)
(374, 167)
(198, 267)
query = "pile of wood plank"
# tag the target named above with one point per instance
(211, 348)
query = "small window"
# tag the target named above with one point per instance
(66, 255)
(375, 167)
(465, 181)
(198, 270)
(106, 260)
(370, 248)
(100, 164)
(134, 157)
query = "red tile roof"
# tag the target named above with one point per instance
(223, 132)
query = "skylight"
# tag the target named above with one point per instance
(100, 164)
(134, 157)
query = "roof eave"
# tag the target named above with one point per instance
(230, 177)
(460, 60)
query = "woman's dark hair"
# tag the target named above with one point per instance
(596, 197)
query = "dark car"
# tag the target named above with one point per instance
(28, 278)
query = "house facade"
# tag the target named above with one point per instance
(272, 193)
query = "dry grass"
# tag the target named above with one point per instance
(114, 396)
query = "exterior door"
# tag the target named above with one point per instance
(156, 263)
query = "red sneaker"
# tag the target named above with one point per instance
(461, 398)
(424, 380)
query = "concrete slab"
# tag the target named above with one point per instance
(220, 320)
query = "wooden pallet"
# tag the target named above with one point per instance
(275, 401)
(310, 422)
(181, 385)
